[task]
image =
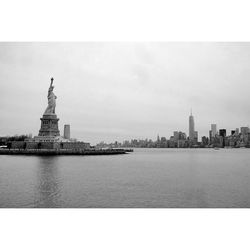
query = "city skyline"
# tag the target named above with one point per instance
(191, 131)
(116, 91)
(240, 132)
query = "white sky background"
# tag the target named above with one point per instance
(116, 91)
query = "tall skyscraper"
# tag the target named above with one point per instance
(191, 127)
(214, 129)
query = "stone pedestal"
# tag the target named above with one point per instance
(49, 125)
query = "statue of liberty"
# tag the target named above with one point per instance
(51, 100)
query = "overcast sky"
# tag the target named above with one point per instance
(117, 91)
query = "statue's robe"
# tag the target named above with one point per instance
(51, 103)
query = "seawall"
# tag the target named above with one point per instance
(63, 151)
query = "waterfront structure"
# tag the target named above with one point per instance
(66, 131)
(191, 128)
(213, 129)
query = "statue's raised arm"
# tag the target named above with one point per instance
(52, 79)
(51, 100)
(51, 87)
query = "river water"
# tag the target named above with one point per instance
(146, 178)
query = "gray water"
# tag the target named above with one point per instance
(147, 178)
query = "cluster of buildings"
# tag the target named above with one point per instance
(236, 138)
(240, 137)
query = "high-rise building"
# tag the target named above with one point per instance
(204, 140)
(67, 131)
(244, 130)
(182, 136)
(214, 129)
(196, 136)
(191, 127)
(176, 135)
(223, 132)
(210, 135)
(158, 138)
(237, 131)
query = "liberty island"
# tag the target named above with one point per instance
(49, 141)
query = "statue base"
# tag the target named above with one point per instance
(49, 125)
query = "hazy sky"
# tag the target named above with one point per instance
(116, 91)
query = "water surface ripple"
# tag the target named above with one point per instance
(147, 178)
